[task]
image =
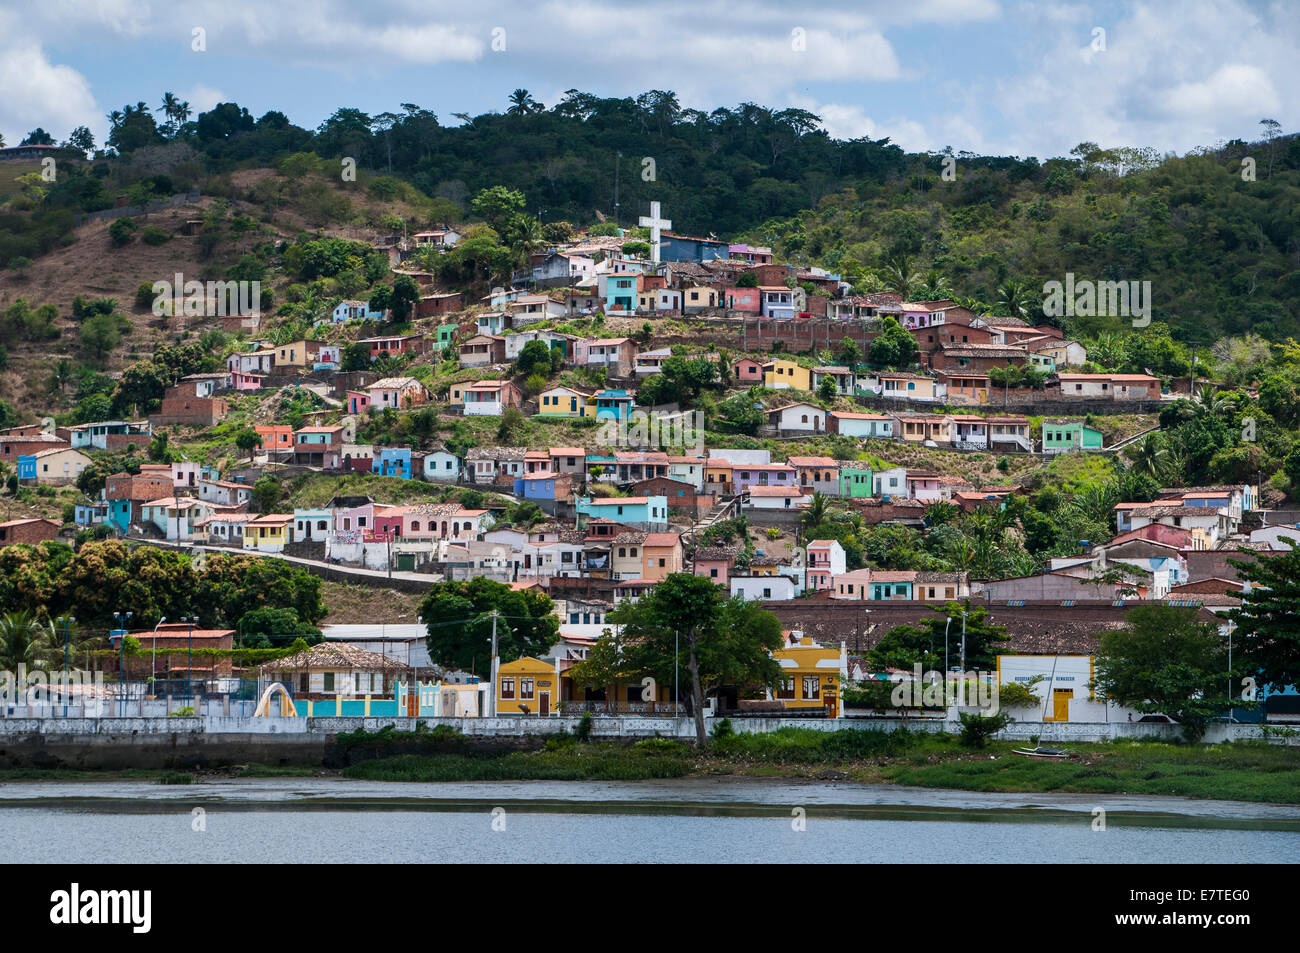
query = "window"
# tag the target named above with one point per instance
(525, 686)
(507, 688)
(785, 689)
(812, 686)
(328, 680)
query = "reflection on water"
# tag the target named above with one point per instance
(330, 820)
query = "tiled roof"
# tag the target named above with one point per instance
(333, 654)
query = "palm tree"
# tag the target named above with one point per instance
(815, 514)
(1147, 456)
(523, 104)
(939, 513)
(934, 288)
(1015, 298)
(899, 276)
(525, 236)
(28, 640)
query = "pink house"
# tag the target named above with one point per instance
(747, 371)
(388, 520)
(239, 380)
(358, 401)
(351, 514)
(743, 299)
(715, 562)
(923, 485)
(440, 521)
(745, 475)
(825, 560)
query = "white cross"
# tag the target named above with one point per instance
(654, 223)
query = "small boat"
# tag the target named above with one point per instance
(1050, 754)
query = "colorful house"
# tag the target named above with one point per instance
(1066, 435)
(393, 462)
(614, 404)
(397, 393)
(490, 398)
(527, 686)
(811, 677)
(643, 512)
(782, 374)
(562, 401)
(860, 425)
(856, 479)
(269, 533)
(825, 560)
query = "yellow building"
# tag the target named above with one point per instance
(780, 375)
(269, 533)
(811, 676)
(527, 686)
(717, 477)
(566, 402)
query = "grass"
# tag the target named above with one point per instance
(1252, 771)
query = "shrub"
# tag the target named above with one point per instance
(722, 728)
(976, 729)
(122, 231)
(583, 731)
(153, 235)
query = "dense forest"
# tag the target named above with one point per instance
(1217, 233)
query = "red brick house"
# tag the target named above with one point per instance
(31, 531)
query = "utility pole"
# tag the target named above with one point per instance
(492, 667)
(617, 163)
(963, 654)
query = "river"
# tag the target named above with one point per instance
(693, 820)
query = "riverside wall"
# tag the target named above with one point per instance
(216, 741)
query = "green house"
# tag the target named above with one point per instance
(855, 479)
(445, 336)
(1063, 437)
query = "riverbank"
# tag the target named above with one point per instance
(1251, 772)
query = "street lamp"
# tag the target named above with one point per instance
(153, 665)
(122, 619)
(189, 663)
(67, 628)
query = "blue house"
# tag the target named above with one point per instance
(540, 487)
(27, 467)
(393, 462)
(686, 248)
(642, 512)
(613, 404)
(620, 292)
(119, 514)
(91, 514)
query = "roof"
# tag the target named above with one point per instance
(336, 655)
(811, 461)
(396, 383)
(776, 491)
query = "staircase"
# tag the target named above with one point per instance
(720, 511)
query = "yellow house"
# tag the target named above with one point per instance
(297, 353)
(626, 552)
(717, 477)
(269, 533)
(811, 676)
(780, 375)
(566, 402)
(527, 686)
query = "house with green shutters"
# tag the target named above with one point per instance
(1064, 436)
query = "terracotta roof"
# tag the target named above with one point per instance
(334, 654)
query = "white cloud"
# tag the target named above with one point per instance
(41, 93)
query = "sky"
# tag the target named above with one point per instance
(992, 77)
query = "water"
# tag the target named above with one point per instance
(694, 820)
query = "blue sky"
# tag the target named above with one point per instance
(985, 76)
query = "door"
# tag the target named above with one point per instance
(1061, 703)
(543, 703)
(412, 704)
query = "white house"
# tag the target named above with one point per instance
(767, 588)
(798, 416)
(1060, 682)
(891, 482)
(777, 497)
(861, 425)
(350, 310)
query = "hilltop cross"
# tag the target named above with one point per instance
(654, 223)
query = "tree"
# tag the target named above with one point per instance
(905, 645)
(497, 205)
(826, 390)
(685, 621)
(1166, 660)
(459, 617)
(849, 353)
(274, 627)
(535, 358)
(100, 335)
(1267, 635)
(248, 440)
(266, 494)
(523, 104)
(25, 639)
(894, 347)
